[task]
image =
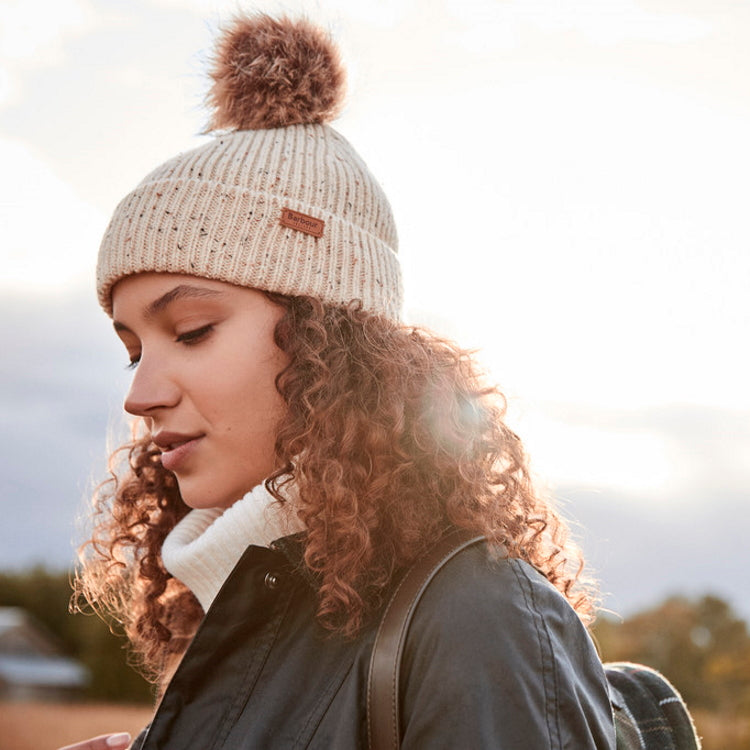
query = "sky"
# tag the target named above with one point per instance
(570, 182)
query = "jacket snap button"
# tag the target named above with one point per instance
(271, 580)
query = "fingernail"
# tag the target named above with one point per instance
(118, 740)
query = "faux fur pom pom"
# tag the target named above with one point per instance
(270, 73)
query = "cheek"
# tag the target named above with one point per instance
(248, 397)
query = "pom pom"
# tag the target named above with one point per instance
(270, 73)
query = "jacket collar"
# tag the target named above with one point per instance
(293, 547)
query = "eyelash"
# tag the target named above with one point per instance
(189, 338)
(193, 337)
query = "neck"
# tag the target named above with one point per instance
(203, 548)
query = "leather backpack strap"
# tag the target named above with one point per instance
(385, 661)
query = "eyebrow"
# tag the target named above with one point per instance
(182, 291)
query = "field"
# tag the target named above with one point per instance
(723, 732)
(47, 726)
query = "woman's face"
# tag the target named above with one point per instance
(205, 364)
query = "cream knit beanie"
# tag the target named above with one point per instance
(278, 200)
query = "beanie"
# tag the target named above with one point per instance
(277, 200)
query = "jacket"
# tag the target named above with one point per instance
(495, 658)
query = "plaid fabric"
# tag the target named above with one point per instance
(649, 713)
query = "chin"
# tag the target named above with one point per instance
(194, 498)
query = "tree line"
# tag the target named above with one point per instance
(701, 645)
(46, 596)
(703, 648)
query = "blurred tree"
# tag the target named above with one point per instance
(701, 646)
(46, 595)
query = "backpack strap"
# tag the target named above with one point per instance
(385, 662)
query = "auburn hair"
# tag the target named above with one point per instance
(390, 436)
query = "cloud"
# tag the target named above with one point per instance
(32, 37)
(50, 235)
(670, 455)
(122, 100)
(642, 555)
(61, 380)
(635, 461)
(613, 22)
(645, 540)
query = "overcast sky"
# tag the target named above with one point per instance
(570, 182)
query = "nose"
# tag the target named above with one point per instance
(151, 389)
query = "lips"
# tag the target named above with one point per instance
(176, 448)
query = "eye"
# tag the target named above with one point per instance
(133, 362)
(196, 335)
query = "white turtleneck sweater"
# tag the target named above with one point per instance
(203, 548)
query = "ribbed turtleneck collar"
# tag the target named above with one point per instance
(203, 548)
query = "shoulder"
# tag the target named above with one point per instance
(495, 638)
(478, 592)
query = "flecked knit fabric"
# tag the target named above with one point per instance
(216, 212)
(203, 548)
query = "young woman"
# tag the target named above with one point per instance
(297, 446)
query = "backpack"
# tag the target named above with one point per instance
(649, 713)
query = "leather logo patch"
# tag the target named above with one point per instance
(302, 222)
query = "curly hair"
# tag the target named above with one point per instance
(390, 436)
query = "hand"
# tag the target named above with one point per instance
(102, 742)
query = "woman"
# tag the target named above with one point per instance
(297, 447)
